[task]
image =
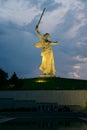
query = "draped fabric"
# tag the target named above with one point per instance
(47, 66)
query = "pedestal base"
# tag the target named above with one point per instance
(43, 75)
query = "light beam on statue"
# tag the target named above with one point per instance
(47, 66)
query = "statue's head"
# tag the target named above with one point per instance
(47, 36)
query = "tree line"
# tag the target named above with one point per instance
(14, 82)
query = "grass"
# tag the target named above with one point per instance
(54, 84)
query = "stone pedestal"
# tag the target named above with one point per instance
(43, 75)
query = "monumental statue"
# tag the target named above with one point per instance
(47, 66)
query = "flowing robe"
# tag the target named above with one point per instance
(47, 66)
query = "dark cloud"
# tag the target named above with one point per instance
(2, 32)
(16, 49)
(52, 5)
(83, 1)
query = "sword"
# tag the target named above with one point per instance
(40, 17)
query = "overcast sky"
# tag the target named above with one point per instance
(65, 20)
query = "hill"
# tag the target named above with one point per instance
(50, 83)
(46, 83)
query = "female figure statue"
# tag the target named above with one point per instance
(47, 66)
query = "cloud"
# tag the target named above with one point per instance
(81, 44)
(17, 50)
(74, 75)
(81, 59)
(20, 12)
(74, 30)
(76, 67)
(71, 4)
(52, 19)
(78, 14)
(83, 72)
(84, 1)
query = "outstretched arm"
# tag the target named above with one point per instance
(54, 43)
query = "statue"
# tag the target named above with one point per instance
(47, 66)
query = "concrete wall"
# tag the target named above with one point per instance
(70, 97)
(6, 103)
(24, 104)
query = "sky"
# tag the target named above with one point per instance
(65, 20)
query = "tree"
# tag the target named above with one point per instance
(15, 82)
(3, 76)
(3, 79)
(14, 78)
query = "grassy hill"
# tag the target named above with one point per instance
(54, 84)
(47, 83)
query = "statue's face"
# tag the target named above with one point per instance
(47, 36)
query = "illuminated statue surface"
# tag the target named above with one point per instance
(47, 66)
